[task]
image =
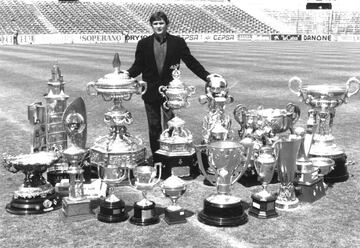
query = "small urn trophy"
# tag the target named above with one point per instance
(35, 195)
(145, 180)
(263, 202)
(118, 151)
(323, 100)
(177, 153)
(228, 163)
(173, 187)
(287, 148)
(75, 204)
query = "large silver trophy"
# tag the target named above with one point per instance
(263, 126)
(287, 148)
(227, 160)
(145, 180)
(177, 153)
(323, 99)
(118, 151)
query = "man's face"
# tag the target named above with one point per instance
(159, 27)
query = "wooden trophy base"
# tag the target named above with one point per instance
(263, 209)
(112, 212)
(310, 192)
(174, 216)
(144, 215)
(183, 166)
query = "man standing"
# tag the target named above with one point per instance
(155, 58)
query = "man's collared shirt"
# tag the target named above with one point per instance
(160, 53)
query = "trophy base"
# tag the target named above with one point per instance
(75, 207)
(36, 205)
(263, 209)
(222, 215)
(340, 172)
(144, 215)
(112, 212)
(174, 216)
(287, 205)
(183, 166)
(310, 192)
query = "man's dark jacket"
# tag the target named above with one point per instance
(145, 63)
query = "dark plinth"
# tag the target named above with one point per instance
(175, 217)
(263, 209)
(340, 172)
(112, 212)
(144, 215)
(184, 167)
(310, 192)
(36, 205)
(222, 215)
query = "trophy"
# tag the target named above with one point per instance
(263, 202)
(228, 163)
(323, 99)
(176, 152)
(145, 179)
(310, 182)
(287, 148)
(263, 126)
(35, 195)
(118, 151)
(173, 187)
(74, 119)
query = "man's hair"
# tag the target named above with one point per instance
(157, 16)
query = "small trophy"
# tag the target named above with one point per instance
(176, 152)
(287, 148)
(263, 202)
(35, 195)
(228, 163)
(173, 187)
(74, 119)
(323, 100)
(145, 179)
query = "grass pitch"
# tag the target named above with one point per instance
(257, 73)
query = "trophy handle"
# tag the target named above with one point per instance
(90, 89)
(143, 87)
(352, 86)
(229, 99)
(159, 169)
(249, 145)
(295, 85)
(199, 149)
(295, 112)
(191, 90)
(129, 179)
(162, 88)
(240, 114)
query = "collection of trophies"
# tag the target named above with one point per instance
(303, 160)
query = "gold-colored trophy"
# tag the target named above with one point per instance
(119, 151)
(145, 179)
(74, 119)
(173, 187)
(228, 163)
(35, 195)
(177, 153)
(287, 148)
(263, 202)
(323, 100)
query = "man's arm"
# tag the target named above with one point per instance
(138, 65)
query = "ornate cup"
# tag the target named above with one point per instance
(173, 187)
(323, 99)
(263, 202)
(287, 148)
(145, 180)
(35, 195)
(228, 162)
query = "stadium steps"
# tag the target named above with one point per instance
(218, 19)
(44, 20)
(137, 18)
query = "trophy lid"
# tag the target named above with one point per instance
(176, 83)
(173, 182)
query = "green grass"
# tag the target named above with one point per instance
(257, 73)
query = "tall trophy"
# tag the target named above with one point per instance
(74, 119)
(173, 187)
(286, 149)
(263, 202)
(145, 180)
(35, 195)
(323, 100)
(177, 153)
(119, 151)
(228, 163)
